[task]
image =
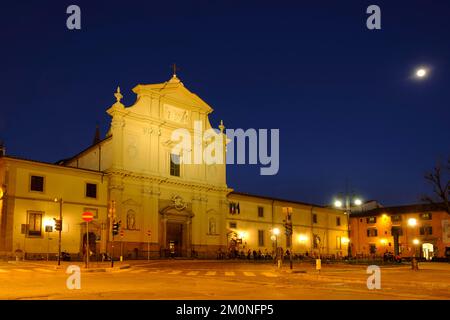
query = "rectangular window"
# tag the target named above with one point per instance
(314, 218)
(371, 220)
(426, 231)
(425, 216)
(260, 212)
(396, 218)
(233, 225)
(37, 183)
(338, 221)
(261, 238)
(372, 232)
(91, 190)
(373, 248)
(338, 243)
(175, 165)
(234, 208)
(34, 224)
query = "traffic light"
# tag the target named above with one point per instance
(58, 224)
(116, 227)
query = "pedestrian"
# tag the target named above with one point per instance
(255, 255)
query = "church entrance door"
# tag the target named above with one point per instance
(174, 239)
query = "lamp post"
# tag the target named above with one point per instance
(412, 222)
(338, 203)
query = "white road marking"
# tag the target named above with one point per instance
(230, 273)
(43, 270)
(192, 273)
(211, 273)
(138, 271)
(3, 271)
(22, 270)
(269, 274)
(249, 274)
(175, 272)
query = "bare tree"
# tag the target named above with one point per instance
(439, 178)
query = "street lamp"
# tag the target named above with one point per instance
(412, 222)
(275, 233)
(349, 200)
(49, 224)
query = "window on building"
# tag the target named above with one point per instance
(260, 212)
(426, 230)
(338, 221)
(425, 216)
(372, 232)
(338, 243)
(373, 248)
(233, 225)
(396, 218)
(314, 218)
(371, 220)
(175, 165)
(37, 183)
(91, 190)
(261, 238)
(34, 224)
(234, 208)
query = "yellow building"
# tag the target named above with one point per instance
(130, 176)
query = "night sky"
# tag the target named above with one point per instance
(343, 97)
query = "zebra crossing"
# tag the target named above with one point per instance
(25, 271)
(206, 273)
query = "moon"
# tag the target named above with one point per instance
(421, 72)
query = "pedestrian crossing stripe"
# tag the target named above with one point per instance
(175, 272)
(231, 273)
(22, 270)
(43, 270)
(211, 273)
(192, 273)
(269, 274)
(249, 274)
(3, 271)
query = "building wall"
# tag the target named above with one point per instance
(59, 182)
(384, 241)
(248, 223)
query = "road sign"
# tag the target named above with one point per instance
(122, 233)
(87, 216)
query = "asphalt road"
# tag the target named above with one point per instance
(195, 280)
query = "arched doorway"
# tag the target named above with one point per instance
(428, 250)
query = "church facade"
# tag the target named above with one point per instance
(164, 207)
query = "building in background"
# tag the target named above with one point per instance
(422, 230)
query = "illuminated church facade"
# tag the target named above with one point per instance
(164, 207)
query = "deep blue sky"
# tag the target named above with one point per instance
(341, 95)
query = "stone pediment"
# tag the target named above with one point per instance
(174, 93)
